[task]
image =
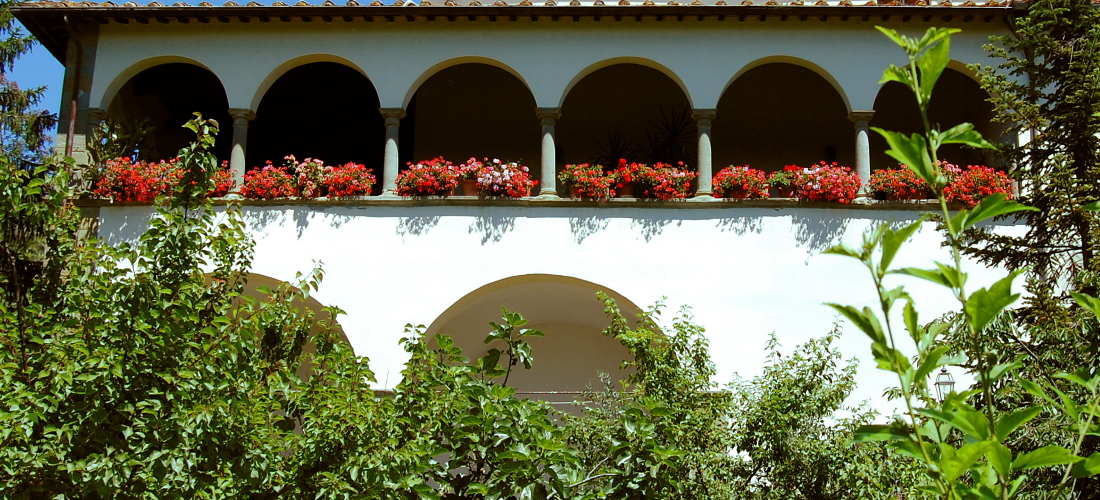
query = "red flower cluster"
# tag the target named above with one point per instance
(740, 182)
(223, 181)
(587, 181)
(125, 180)
(626, 173)
(435, 177)
(665, 182)
(310, 173)
(976, 182)
(898, 184)
(268, 183)
(496, 178)
(349, 179)
(827, 182)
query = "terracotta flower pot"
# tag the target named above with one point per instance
(627, 190)
(784, 192)
(469, 187)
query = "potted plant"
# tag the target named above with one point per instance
(510, 180)
(586, 181)
(976, 182)
(897, 184)
(625, 179)
(435, 177)
(310, 174)
(827, 182)
(783, 181)
(467, 175)
(349, 179)
(124, 180)
(740, 182)
(268, 183)
(665, 182)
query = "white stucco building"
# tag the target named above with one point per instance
(546, 83)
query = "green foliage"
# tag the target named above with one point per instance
(1046, 88)
(23, 128)
(784, 423)
(961, 440)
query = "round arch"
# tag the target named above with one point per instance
(640, 61)
(456, 61)
(958, 97)
(574, 349)
(281, 70)
(796, 61)
(133, 70)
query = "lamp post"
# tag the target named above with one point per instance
(944, 384)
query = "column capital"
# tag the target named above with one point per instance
(703, 114)
(861, 115)
(392, 115)
(242, 114)
(545, 113)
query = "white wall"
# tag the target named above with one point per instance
(746, 271)
(548, 56)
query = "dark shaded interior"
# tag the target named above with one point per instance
(956, 99)
(322, 110)
(166, 96)
(781, 114)
(626, 111)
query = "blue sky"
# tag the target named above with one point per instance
(38, 67)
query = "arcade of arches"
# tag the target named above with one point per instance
(775, 114)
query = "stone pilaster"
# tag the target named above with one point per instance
(241, 118)
(391, 162)
(548, 117)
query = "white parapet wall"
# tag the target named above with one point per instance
(745, 269)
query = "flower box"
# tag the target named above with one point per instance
(435, 177)
(827, 182)
(740, 182)
(586, 181)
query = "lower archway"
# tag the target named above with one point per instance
(574, 351)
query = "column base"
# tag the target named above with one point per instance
(548, 194)
(389, 195)
(233, 196)
(702, 198)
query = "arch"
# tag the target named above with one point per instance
(164, 96)
(958, 97)
(442, 65)
(565, 308)
(281, 69)
(251, 289)
(778, 114)
(797, 61)
(131, 71)
(641, 61)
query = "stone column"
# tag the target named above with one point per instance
(391, 163)
(548, 171)
(862, 120)
(241, 118)
(705, 167)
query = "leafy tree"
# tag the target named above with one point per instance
(1047, 87)
(23, 128)
(785, 424)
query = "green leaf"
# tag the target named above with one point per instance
(892, 241)
(964, 133)
(984, 305)
(933, 275)
(1087, 467)
(867, 433)
(911, 150)
(1045, 457)
(1010, 422)
(931, 64)
(991, 206)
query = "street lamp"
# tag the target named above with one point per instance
(944, 384)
